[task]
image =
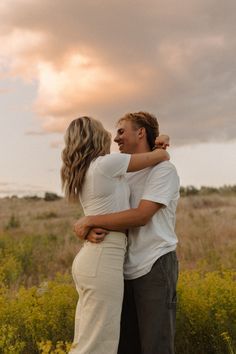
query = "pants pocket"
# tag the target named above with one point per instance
(173, 278)
(87, 261)
(169, 265)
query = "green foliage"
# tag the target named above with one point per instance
(32, 197)
(205, 190)
(46, 347)
(10, 343)
(206, 316)
(37, 315)
(13, 223)
(49, 197)
(41, 319)
(189, 190)
(31, 259)
(10, 270)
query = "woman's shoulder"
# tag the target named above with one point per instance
(113, 164)
(113, 157)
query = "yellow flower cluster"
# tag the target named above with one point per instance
(41, 319)
(206, 316)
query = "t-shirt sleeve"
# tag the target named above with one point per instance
(162, 184)
(114, 165)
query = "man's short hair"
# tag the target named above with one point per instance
(144, 120)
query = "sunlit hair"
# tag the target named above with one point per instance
(144, 120)
(85, 140)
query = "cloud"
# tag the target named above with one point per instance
(173, 58)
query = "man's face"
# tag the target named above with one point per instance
(127, 137)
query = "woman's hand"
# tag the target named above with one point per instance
(162, 141)
(97, 235)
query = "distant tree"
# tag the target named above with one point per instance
(226, 190)
(189, 190)
(208, 190)
(32, 197)
(49, 197)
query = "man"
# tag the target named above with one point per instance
(151, 266)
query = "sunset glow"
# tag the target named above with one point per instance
(174, 59)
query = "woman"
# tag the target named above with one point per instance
(96, 177)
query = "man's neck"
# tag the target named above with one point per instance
(141, 149)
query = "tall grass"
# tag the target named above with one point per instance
(38, 298)
(206, 227)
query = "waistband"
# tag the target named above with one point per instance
(113, 239)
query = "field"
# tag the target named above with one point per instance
(37, 296)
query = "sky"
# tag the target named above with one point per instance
(61, 59)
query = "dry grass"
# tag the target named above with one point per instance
(206, 228)
(38, 236)
(39, 216)
(37, 241)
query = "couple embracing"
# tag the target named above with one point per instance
(126, 271)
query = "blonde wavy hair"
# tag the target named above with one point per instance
(85, 140)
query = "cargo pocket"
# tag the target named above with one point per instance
(169, 266)
(171, 304)
(173, 278)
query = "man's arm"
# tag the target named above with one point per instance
(118, 221)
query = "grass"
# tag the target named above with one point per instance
(37, 295)
(206, 227)
(37, 235)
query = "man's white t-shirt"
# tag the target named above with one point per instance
(105, 189)
(146, 244)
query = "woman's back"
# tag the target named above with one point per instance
(105, 189)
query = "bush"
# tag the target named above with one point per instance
(32, 198)
(30, 259)
(13, 223)
(37, 315)
(49, 197)
(59, 348)
(41, 320)
(206, 316)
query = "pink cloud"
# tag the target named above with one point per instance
(175, 61)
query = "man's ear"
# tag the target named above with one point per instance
(141, 132)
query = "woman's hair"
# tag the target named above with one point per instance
(144, 120)
(85, 140)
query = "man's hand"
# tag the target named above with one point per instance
(82, 228)
(162, 141)
(97, 235)
(84, 231)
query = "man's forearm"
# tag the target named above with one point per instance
(117, 221)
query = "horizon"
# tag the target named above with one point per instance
(224, 189)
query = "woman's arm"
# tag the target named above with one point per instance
(148, 159)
